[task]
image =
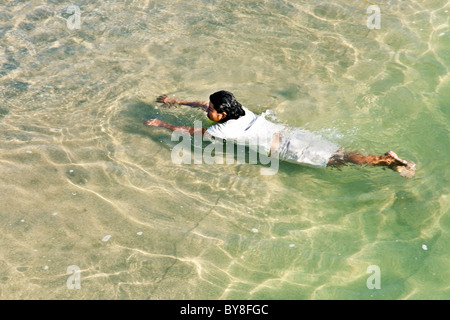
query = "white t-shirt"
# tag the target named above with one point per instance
(250, 129)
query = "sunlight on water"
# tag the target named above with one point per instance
(85, 184)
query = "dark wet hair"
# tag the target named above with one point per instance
(225, 101)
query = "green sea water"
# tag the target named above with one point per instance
(83, 183)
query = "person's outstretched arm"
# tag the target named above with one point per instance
(172, 101)
(162, 124)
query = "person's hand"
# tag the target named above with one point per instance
(166, 100)
(154, 123)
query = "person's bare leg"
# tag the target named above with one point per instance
(389, 159)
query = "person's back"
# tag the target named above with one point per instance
(250, 129)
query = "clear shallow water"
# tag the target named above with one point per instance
(76, 163)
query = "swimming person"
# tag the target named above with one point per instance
(237, 123)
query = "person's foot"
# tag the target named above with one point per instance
(408, 171)
(405, 168)
(396, 160)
